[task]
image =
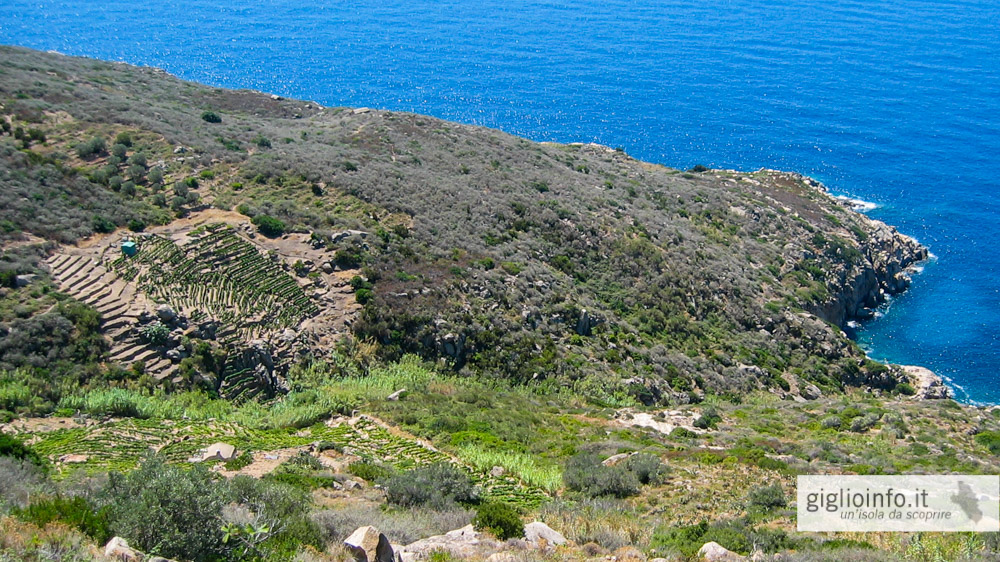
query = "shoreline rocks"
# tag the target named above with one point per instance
(929, 386)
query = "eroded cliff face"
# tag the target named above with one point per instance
(884, 270)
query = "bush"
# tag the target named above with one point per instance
(124, 139)
(101, 224)
(20, 482)
(92, 147)
(369, 471)
(647, 468)
(75, 512)
(168, 511)
(155, 333)
(269, 226)
(584, 473)
(831, 422)
(682, 433)
(709, 419)
(990, 440)
(211, 117)
(438, 486)
(864, 423)
(767, 497)
(13, 447)
(501, 519)
(363, 296)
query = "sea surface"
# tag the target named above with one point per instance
(896, 103)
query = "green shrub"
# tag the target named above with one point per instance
(168, 511)
(647, 468)
(363, 295)
(369, 471)
(767, 497)
(438, 486)
(137, 225)
(155, 333)
(500, 519)
(584, 473)
(101, 224)
(269, 226)
(75, 512)
(831, 422)
(123, 139)
(13, 447)
(92, 147)
(240, 462)
(864, 423)
(709, 419)
(211, 117)
(990, 440)
(682, 433)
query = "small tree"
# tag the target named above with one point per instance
(211, 117)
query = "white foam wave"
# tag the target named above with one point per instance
(859, 205)
(853, 324)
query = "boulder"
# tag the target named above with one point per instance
(715, 552)
(497, 471)
(118, 549)
(460, 543)
(367, 544)
(395, 395)
(165, 313)
(811, 392)
(25, 280)
(537, 532)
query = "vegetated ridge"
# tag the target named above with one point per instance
(574, 264)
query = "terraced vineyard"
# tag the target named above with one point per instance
(84, 279)
(219, 275)
(122, 444)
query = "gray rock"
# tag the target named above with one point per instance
(367, 544)
(460, 543)
(811, 392)
(118, 549)
(537, 532)
(25, 280)
(497, 471)
(165, 313)
(394, 397)
(715, 552)
(173, 355)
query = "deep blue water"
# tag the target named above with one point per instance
(894, 102)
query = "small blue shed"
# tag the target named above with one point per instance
(129, 248)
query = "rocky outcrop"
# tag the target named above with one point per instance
(882, 270)
(460, 543)
(928, 385)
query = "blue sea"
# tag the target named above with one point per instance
(892, 102)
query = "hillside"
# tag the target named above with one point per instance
(498, 256)
(392, 320)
